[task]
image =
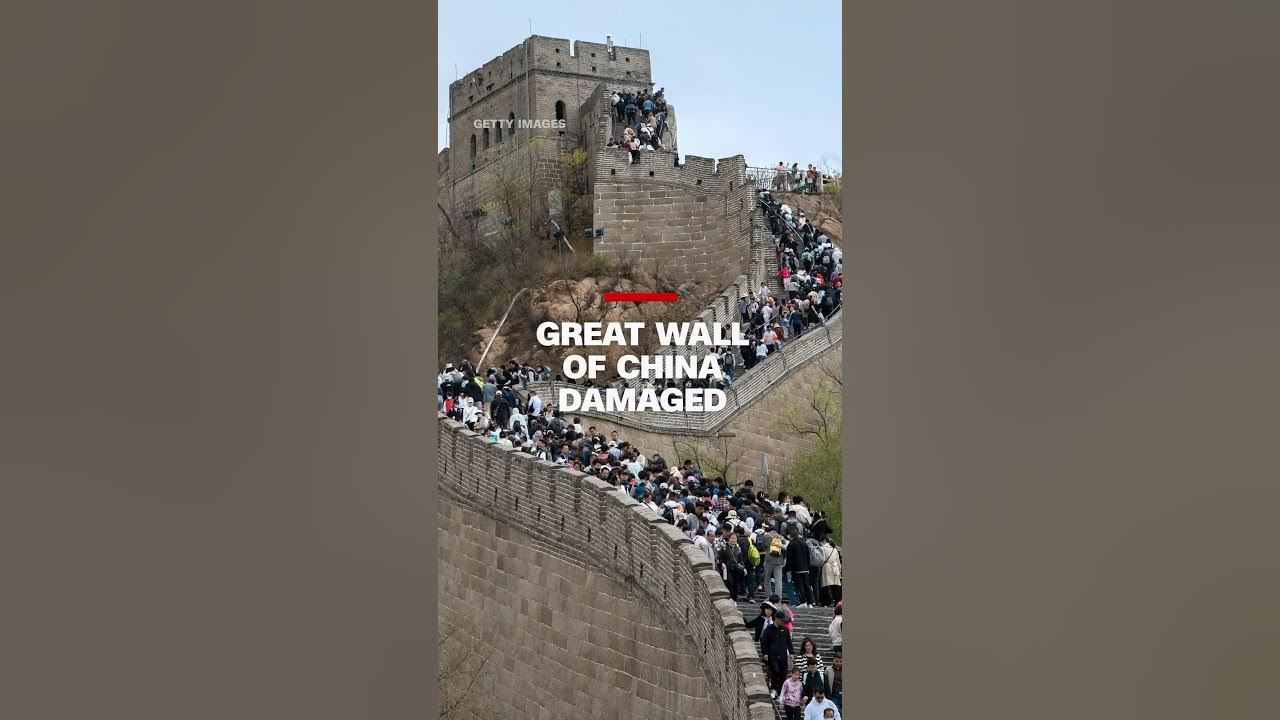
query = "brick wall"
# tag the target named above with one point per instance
(567, 643)
(527, 81)
(535, 167)
(691, 221)
(627, 563)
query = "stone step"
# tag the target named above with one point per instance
(807, 622)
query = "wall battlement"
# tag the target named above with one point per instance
(696, 173)
(691, 221)
(551, 55)
(585, 518)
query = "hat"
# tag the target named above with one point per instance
(733, 514)
(662, 486)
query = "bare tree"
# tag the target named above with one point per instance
(462, 666)
(817, 412)
(713, 454)
(830, 165)
(588, 308)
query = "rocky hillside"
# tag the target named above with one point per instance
(821, 209)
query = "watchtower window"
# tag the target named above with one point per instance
(486, 138)
(559, 109)
(498, 135)
(473, 151)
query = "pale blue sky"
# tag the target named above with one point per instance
(726, 65)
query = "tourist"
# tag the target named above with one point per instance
(755, 563)
(837, 689)
(812, 676)
(786, 614)
(793, 696)
(711, 539)
(735, 566)
(762, 621)
(830, 574)
(797, 564)
(802, 511)
(775, 643)
(817, 558)
(774, 560)
(818, 707)
(791, 524)
(809, 649)
(488, 391)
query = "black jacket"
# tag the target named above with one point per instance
(776, 641)
(820, 528)
(757, 626)
(732, 556)
(814, 680)
(797, 556)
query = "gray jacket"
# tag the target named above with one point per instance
(768, 560)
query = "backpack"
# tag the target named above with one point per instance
(775, 547)
(753, 555)
(816, 557)
(789, 525)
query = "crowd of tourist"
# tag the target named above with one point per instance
(794, 179)
(798, 679)
(776, 549)
(810, 266)
(643, 117)
(762, 546)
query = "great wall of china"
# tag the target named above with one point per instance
(600, 608)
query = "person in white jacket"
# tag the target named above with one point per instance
(818, 706)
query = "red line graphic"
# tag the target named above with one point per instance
(640, 297)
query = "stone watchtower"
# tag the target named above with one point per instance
(530, 86)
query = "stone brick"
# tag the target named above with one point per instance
(565, 659)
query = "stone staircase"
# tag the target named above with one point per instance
(809, 623)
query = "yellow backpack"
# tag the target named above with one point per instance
(775, 547)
